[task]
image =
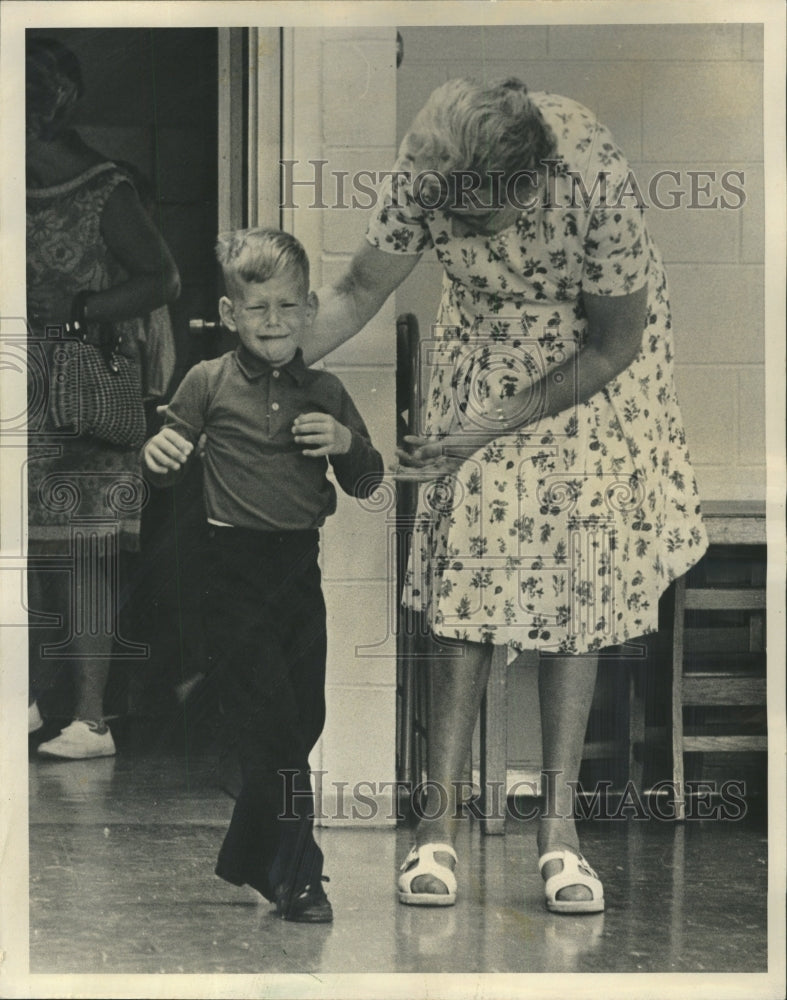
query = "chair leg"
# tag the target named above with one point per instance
(636, 724)
(678, 777)
(494, 743)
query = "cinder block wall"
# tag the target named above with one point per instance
(340, 106)
(677, 97)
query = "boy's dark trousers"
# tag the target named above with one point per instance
(266, 636)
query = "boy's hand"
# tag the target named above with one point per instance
(322, 433)
(167, 450)
(162, 412)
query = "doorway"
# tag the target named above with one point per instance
(183, 107)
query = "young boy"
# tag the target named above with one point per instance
(271, 426)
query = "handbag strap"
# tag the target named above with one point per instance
(107, 340)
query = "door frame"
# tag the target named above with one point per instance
(249, 127)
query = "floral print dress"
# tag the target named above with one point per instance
(560, 536)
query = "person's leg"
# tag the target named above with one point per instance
(39, 672)
(457, 685)
(300, 607)
(91, 681)
(566, 686)
(88, 636)
(91, 642)
(250, 670)
(242, 656)
(252, 715)
(41, 599)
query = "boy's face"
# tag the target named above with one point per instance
(270, 316)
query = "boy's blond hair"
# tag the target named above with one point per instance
(255, 255)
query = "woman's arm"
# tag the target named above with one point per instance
(153, 278)
(348, 305)
(614, 338)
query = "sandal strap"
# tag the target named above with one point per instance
(427, 864)
(561, 856)
(576, 871)
(427, 853)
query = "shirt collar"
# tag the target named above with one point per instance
(254, 368)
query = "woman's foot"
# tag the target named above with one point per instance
(431, 883)
(427, 877)
(574, 874)
(432, 832)
(562, 837)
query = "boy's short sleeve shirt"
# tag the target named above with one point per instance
(255, 476)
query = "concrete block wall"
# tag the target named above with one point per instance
(340, 107)
(682, 97)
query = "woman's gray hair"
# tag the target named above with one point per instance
(472, 125)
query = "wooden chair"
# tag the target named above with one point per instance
(722, 665)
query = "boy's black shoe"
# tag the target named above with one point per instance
(309, 906)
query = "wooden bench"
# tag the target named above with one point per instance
(731, 659)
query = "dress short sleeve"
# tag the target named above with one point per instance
(400, 226)
(616, 253)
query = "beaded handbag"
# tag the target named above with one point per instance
(95, 391)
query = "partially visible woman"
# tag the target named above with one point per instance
(93, 252)
(563, 500)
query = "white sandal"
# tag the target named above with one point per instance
(421, 861)
(575, 871)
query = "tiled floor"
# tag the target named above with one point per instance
(121, 881)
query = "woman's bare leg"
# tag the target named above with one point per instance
(457, 686)
(91, 682)
(90, 641)
(566, 686)
(92, 647)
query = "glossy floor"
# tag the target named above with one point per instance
(121, 881)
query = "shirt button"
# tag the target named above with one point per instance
(275, 406)
(275, 372)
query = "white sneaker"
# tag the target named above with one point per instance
(79, 740)
(34, 720)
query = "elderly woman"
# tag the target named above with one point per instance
(567, 502)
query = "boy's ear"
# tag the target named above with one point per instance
(227, 313)
(312, 305)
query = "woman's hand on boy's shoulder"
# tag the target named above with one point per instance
(166, 451)
(322, 434)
